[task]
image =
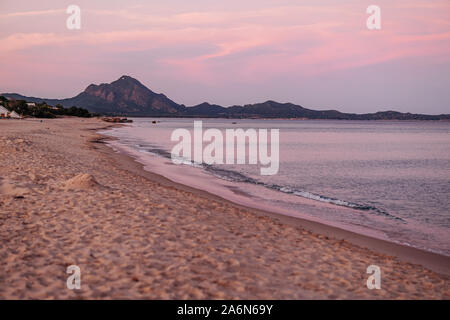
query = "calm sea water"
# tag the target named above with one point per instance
(390, 180)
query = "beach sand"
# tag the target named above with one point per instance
(68, 199)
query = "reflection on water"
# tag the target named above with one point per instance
(388, 179)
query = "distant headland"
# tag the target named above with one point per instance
(127, 96)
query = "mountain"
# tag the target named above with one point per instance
(125, 96)
(128, 97)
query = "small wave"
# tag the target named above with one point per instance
(234, 176)
(338, 202)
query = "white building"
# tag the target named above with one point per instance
(5, 113)
(14, 115)
(31, 104)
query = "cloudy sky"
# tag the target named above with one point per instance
(319, 54)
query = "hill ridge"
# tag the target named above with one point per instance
(127, 96)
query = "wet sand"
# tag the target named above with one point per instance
(68, 199)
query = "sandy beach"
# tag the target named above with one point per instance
(66, 198)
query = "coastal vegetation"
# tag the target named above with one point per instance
(42, 109)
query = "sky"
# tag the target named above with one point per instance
(318, 54)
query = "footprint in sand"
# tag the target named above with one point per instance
(9, 189)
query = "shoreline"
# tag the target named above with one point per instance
(69, 199)
(435, 261)
(294, 119)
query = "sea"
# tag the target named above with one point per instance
(385, 179)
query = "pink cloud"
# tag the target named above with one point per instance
(310, 38)
(31, 13)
